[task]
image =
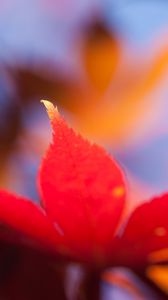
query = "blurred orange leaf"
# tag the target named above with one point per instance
(159, 275)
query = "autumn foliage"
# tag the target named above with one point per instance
(80, 219)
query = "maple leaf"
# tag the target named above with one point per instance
(82, 202)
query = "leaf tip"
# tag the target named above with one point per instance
(52, 111)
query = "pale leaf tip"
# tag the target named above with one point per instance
(52, 111)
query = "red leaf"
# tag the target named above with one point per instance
(145, 239)
(82, 190)
(24, 221)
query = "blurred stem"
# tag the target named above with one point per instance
(90, 286)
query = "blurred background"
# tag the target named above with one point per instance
(104, 63)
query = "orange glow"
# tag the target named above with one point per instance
(159, 274)
(100, 56)
(114, 116)
(158, 256)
